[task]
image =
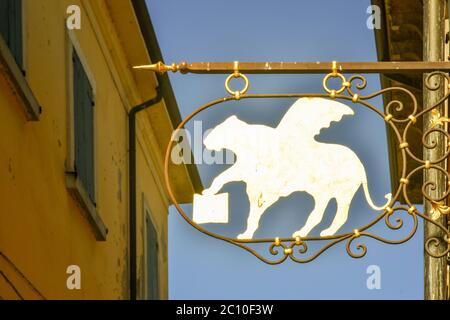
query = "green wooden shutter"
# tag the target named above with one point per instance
(84, 127)
(11, 27)
(152, 260)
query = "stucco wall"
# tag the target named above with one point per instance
(42, 228)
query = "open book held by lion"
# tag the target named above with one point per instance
(275, 162)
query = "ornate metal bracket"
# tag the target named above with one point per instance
(297, 249)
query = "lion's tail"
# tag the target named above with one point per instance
(369, 199)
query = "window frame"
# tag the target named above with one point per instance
(11, 28)
(73, 183)
(15, 75)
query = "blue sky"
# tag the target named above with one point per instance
(201, 267)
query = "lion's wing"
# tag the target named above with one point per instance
(310, 115)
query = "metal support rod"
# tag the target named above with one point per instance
(299, 67)
(435, 269)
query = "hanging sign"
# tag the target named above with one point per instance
(275, 162)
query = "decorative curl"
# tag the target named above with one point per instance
(436, 243)
(433, 143)
(398, 220)
(428, 186)
(359, 247)
(437, 85)
(361, 85)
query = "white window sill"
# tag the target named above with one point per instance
(79, 193)
(18, 82)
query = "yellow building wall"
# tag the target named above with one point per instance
(42, 228)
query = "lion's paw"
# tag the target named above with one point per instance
(327, 232)
(300, 233)
(244, 236)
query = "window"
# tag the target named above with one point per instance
(80, 162)
(11, 28)
(151, 257)
(12, 56)
(83, 127)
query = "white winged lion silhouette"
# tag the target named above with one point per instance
(275, 162)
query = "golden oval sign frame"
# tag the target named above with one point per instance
(292, 247)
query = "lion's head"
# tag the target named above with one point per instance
(220, 137)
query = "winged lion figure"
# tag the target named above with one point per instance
(275, 162)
